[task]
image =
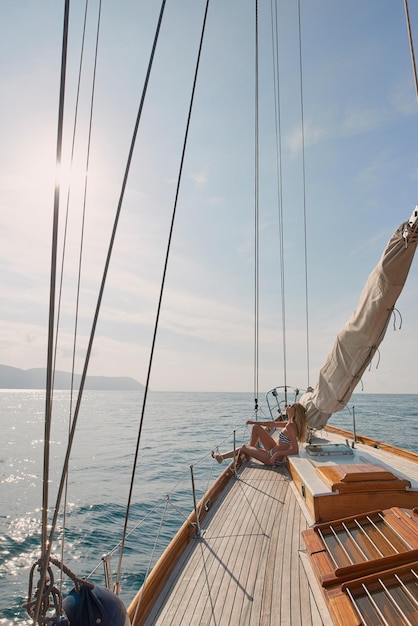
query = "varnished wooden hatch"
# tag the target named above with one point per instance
(336, 485)
(367, 566)
(360, 477)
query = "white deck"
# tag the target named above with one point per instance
(367, 454)
(361, 454)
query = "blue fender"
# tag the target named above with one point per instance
(94, 605)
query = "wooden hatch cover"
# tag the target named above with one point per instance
(360, 477)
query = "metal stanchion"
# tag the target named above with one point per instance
(195, 503)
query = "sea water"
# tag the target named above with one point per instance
(178, 433)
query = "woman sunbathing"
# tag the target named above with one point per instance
(273, 452)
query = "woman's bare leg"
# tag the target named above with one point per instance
(257, 453)
(258, 432)
(249, 451)
(225, 455)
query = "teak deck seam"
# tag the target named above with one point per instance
(240, 570)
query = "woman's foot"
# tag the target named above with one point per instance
(217, 456)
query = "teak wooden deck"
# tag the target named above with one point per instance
(249, 556)
(250, 565)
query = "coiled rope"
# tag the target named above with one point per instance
(50, 596)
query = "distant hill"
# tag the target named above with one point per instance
(15, 378)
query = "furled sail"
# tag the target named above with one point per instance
(360, 337)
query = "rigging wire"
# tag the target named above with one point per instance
(51, 325)
(279, 160)
(411, 47)
(86, 171)
(256, 224)
(276, 81)
(305, 227)
(61, 288)
(81, 242)
(82, 229)
(146, 389)
(100, 296)
(48, 395)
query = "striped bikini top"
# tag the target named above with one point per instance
(284, 438)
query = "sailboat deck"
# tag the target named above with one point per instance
(250, 565)
(248, 558)
(401, 464)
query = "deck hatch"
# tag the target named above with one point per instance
(361, 539)
(367, 566)
(388, 598)
(329, 449)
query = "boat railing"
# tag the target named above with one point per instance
(376, 425)
(279, 397)
(188, 493)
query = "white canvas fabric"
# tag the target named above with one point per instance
(358, 340)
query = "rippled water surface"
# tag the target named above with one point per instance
(180, 430)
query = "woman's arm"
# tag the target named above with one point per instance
(270, 424)
(279, 456)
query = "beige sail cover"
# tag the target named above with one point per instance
(361, 336)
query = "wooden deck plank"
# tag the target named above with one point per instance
(205, 565)
(228, 579)
(236, 593)
(261, 549)
(254, 530)
(289, 613)
(172, 595)
(264, 592)
(319, 609)
(232, 591)
(208, 561)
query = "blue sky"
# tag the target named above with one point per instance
(361, 174)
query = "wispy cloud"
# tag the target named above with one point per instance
(199, 178)
(311, 136)
(359, 120)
